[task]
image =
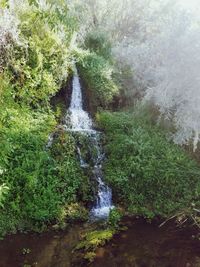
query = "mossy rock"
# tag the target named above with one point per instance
(86, 249)
(95, 239)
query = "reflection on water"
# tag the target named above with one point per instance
(147, 245)
(41, 250)
(142, 245)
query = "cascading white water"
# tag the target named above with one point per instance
(81, 122)
(104, 198)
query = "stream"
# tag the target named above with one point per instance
(143, 244)
(79, 122)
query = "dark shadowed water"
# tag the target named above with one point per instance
(142, 245)
(148, 245)
(52, 249)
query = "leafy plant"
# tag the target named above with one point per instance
(99, 43)
(149, 175)
(114, 218)
(96, 72)
(36, 182)
(3, 192)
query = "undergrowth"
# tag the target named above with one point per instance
(149, 175)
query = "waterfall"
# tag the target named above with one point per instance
(81, 122)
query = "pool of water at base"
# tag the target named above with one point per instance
(141, 245)
(148, 245)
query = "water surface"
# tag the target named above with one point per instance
(148, 245)
(142, 245)
(52, 249)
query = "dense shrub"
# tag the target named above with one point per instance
(96, 72)
(149, 175)
(99, 43)
(36, 183)
(39, 68)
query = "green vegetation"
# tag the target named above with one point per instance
(95, 239)
(98, 236)
(114, 218)
(92, 240)
(149, 175)
(38, 185)
(41, 185)
(96, 72)
(98, 42)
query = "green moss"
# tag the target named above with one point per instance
(90, 256)
(94, 239)
(89, 243)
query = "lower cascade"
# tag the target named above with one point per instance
(81, 123)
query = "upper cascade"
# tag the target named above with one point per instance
(80, 120)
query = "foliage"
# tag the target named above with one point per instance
(95, 239)
(149, 175)
(22, 157)
(74, 186)
(38, 59)
(159, 40)
(164, 61)
(9, 36)
(99, 43)
(117, 19)
(37, 183)
(129, 91)
(92, 240)
(75, 212)
(114, 218)
(3, 192)
(41, 182)
(97, 75)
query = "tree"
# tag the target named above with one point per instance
(160, 41)
(166, 64)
